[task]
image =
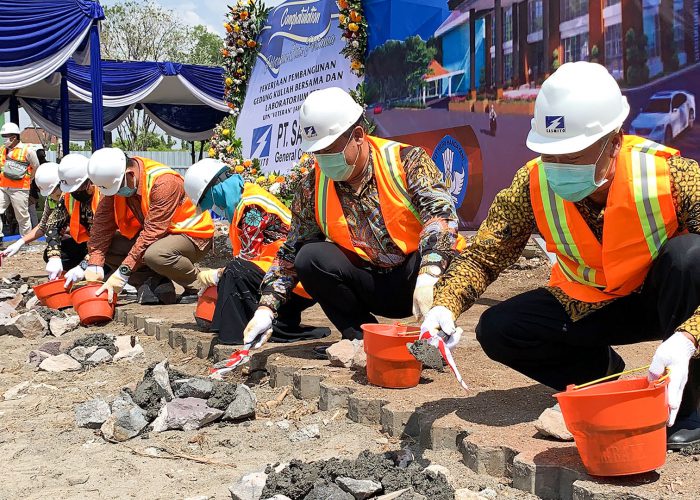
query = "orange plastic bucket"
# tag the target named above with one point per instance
(92, 309)
(619, 427)
(206, 304)
(53, 294)
(389, 364)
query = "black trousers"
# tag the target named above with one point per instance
(72, 253)
(533, 334)
(350, 292)
(238, 297)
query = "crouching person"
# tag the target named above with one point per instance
(145, 227)
(259, 225)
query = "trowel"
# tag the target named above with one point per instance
(424, 349)
(236, 359)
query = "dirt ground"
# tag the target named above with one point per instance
(46, 456)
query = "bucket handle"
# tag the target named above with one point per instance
(626, 372)
(407, 325)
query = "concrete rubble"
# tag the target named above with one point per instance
(60, 363)
(186, 414)
(16, 392)
(249, 487)
(128, 348)
(28, 325)
(61, 325)
(347, 354)
(126, 421)
(99, 357)
(306, 433)
(243, 406)
(193, 388)
(360, 489)
(551, 424)
(92, 414)
(81, 353)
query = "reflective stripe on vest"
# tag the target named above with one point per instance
(639, 219)
(255, 195)
(18, 154)
(78, 232)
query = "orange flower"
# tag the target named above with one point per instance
(304, 170)
(279, 179)
(353, 27)
(254, 171)
(247, 163)
(342, 19)
(228, 27)
(342, 4)
(355, 16)
(230, 105)
(224, 52)
(251, 43)
(244, 15)
(356, 65)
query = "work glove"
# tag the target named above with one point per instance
(208, 277)
(673, 355)
(54, 267)
(440, 321)
(94, 273)
(14, 248)
(259, 328)
(423, 294)
(73, 276)
(113, 286)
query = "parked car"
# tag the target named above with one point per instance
(666, 115)
(378, 108)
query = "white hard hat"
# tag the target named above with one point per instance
(106, 170)
(9, 128)
(324, 116)
(576, 106)
(199, 176)
(46, 178)
(73, 171)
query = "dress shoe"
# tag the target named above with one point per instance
(684, 433)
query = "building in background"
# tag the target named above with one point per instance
(536, 36)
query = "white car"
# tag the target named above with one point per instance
(666, 115)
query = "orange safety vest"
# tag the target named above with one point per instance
(77, 231)
(639, 218)
(19, 154)
(400, 216)
(255, 195)
(184, 221)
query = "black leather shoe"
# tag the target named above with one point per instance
(320, 351)
(684, 433)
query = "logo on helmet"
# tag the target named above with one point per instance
(310, 132)
(554, 124)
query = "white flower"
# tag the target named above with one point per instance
(239, 50)
(275, 188)
(355, 43)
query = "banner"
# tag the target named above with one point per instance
(300, 53)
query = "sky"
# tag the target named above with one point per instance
(210, 13)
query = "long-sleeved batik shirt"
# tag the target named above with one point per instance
(510, 223)
(437, 240)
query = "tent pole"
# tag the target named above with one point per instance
(14, 109)
(96, 74)
(192, 151)
(201, 149)
(65, 114)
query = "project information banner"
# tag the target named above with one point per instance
(300, 53)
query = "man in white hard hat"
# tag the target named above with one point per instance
(68, 227)
(373, 226)
(614, 209)
(46, 179)
(18, 162)
(259, 223)
(145, 227)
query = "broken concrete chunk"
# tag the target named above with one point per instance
(81, 353)
(359, 361)
(52, 347)
(125, 348)
(193, 388)
(467, 494)
(60, 363)
(551, 424)
(243, 406)
(24, 288)
(98, 357)
(92, 414)
(306, 433)
(160, 375)
(323, 490)
(359, 489)
(36, 357)
(16, 392)
(341, 353)
(32, 303)
(222, 395)
(28, 325)
(187, 414)
(249, 487)
(405, 494)
(438, 469)
(7, 293)
(126, 421)
(60, 326)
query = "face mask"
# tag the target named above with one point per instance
(8, 142)
(83, 196)
(335, 166)
(573, 182)
(52, 204)
(224, 197)
(126, 191)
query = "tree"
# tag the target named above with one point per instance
(636, 52)
(555, 60)
(140, 30)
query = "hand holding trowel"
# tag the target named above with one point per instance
(257, 332)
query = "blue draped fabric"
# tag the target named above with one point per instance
(208, 79)
(399, 19)
(80, 113)
(118, 78)
(96, 72)
(189, 119)
(32, 30)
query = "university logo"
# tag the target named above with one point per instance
(554, 124)
(453, 162)
(260, 146)
(310, 132)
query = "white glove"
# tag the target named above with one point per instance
(54, 267)
(14, 248)
(113, 286)
(440, 319)
(673, 354)
(94, 273)
(423, 294)
(259, 326)
(74, 275)
(208, 277)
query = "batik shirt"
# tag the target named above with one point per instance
(438, 239)
(258, 228)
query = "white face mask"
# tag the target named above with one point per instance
(8, 142)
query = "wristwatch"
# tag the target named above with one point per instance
(84, 265)
(125, 270)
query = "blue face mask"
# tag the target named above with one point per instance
(573, 182)
(334, 165)
(224, 197)
(126, 191)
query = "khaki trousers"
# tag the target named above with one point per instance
(173, 257)
(19, 200)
